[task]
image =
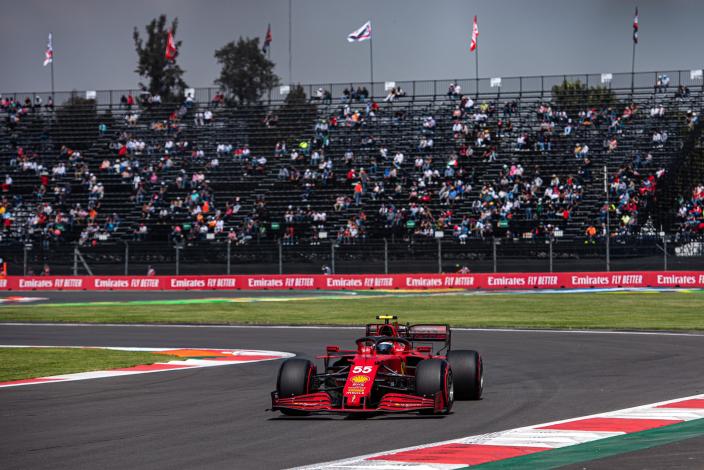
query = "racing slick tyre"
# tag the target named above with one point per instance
(433, 376)
(295, 378)
(468, 374)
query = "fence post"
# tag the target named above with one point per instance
(608, 221)
(664, 245)
(386, 256)
(178, 260)
(75, 261)
(439, 255)
(281, 257)
(493, 245)
(24, 263)
(332, 257)
(127, 258)
(229, 247)
(550, 251)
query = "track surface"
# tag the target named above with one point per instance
(216, 418)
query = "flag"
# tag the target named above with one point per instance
(267, 40)
(475, 35)
(49, 53)
(170, 47)
(635, 28)
(362, 34)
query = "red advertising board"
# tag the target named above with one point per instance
(569, 280)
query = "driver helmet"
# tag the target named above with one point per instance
(386, 330)
(385, 347)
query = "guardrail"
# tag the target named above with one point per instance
(419, 88)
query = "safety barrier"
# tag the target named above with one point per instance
(569, 280)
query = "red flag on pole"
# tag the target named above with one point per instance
(170, 47)
(475, 35)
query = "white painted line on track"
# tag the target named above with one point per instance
(333, 327)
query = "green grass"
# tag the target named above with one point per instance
(27, 363)
(645, 311)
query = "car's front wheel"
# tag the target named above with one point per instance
(435, 376)
(296, 377)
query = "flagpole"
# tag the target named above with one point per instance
(371, 63)
(633, 65)
(290, 55)
(476, 70)
(52, 67)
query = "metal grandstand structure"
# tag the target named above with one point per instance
(655, 245)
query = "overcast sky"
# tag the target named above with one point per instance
(413, 39)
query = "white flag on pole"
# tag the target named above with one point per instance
(49, 53)
(362, 34)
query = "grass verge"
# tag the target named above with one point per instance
(642, 311)
(27, 363)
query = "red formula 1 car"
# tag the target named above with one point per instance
(393, 369)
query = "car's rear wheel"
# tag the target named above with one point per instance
(435, 376)
(468, 374)
(296, 377)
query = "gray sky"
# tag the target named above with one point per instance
(413, 39)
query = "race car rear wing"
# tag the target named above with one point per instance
(428, 333)
(417, 333)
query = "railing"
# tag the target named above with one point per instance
(379, 256)
(540, 84)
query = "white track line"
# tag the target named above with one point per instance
(332, 327)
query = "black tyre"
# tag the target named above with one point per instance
(433, 376)
(295, 378)
(468, 374)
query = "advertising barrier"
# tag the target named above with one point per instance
(569, 280)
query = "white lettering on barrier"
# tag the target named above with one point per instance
(187, 283)
(675, 279)
(459, 281)
(423, 282)
(505, 281)
(343, 283)
(542, 281)
(36, 284)
(3, 283)
(374, 282)
(590, 280)
(265, 283)
(292, 282)
(221, 282)
(111, 283)
(626, 279)
(148, 283)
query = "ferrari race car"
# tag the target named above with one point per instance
(393, 368)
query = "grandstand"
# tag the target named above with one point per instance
(426, 177)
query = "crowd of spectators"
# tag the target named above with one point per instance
(468, 167)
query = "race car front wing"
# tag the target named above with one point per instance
(320, 402)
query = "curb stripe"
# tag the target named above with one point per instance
(644, 426)
(472, 454)
(193, 358)
(626, 425)
(600, 449)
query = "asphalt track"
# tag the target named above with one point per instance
(216, 418)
